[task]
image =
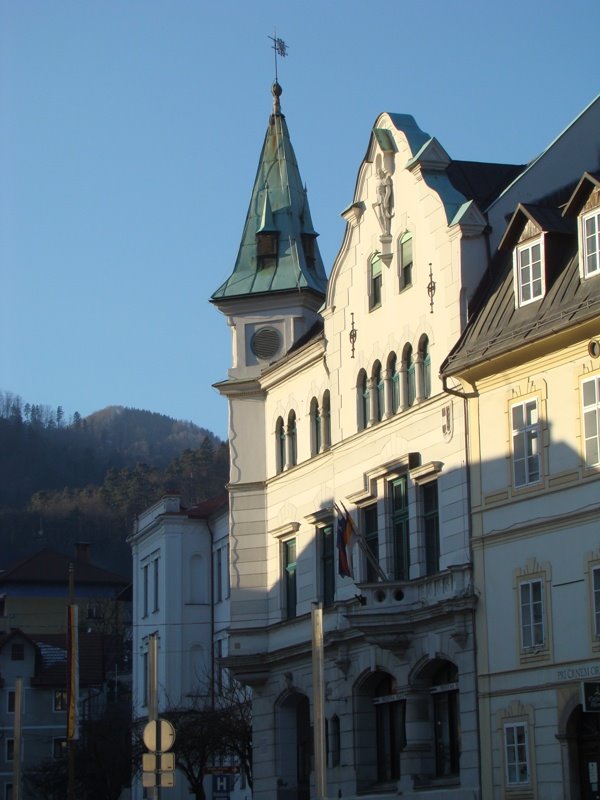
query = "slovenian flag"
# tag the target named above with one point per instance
(345, 543)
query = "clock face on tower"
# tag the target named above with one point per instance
(266, 343)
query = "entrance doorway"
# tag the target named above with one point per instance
(583, 731)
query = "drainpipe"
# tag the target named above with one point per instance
(212, 616)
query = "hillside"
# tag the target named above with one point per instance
(87, 478)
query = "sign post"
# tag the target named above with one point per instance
(158, 765)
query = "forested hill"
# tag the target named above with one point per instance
(85, 478)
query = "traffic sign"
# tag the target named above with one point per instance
(164, 779)
(159, 735)
(158, 762)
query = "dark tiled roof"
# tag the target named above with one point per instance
(48, 566)
(498, 326)
(98, 653)
(208, 507)
(481, 181)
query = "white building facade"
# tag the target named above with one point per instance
(334, 404)
(181, 595)
(344, 408)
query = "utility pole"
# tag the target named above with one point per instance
(72, 692)
(153, 791)
(17, 740)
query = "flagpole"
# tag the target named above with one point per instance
(318, 681)
(72, 681)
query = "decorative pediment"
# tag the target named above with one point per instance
(431, 156)
(586, 195)
(470, 219)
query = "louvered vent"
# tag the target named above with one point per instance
(266, 343)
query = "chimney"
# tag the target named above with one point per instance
(82, 552)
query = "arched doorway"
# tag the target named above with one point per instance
(583, 734)
(294, 742)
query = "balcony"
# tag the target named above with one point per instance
(392, 612)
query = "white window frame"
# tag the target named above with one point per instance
(595, 587)
(527, 620)
(530, 433)
(375, 282)
(591, 410)
(513, 760)
(518, 267)
(587, 254)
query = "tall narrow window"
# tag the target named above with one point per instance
(516, 754)
(145, 678)
(591, 243)
(399, 501)
(334, 741)
(315, 427)
(591, 420)
(425, 366)
(431, 525)
(372, 538)
(218, 575)
(375, 282)
(156, 583)
(327, 565)
(362, 396)
(530, 272)
(395, 378)
(409, 366)
(378, 388)
(280, 444)
(292, 441)
(406, 260)
(289, 577)
(526, 436)
(532, 613)
(326, 420)
(444, 689)
(596, 590)
(145, 588)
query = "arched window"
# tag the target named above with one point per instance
(425, 366)
(315, 427)
(379, 730)
(292, 442)
(294, 741)
(362, 398)
(378, 398)
(409, 367)
(446, 723)
(326, 420)
(394, 377)
(280, 444)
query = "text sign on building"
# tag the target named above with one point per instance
(590, 692)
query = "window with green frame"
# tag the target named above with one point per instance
(400, 527)
(431, 525)
(405, 260)
(371, 534)
(375, 282)
(289, 577)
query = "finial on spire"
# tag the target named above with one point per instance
(280, 48)
(276, 91)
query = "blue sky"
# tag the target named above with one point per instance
(130, 132)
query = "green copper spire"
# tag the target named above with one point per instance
(278, 251)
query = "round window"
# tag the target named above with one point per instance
(266, 342)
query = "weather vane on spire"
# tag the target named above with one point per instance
(280, 48)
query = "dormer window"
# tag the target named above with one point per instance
(590, 241)
(529, 271)
(308, 245)
(266, 249)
